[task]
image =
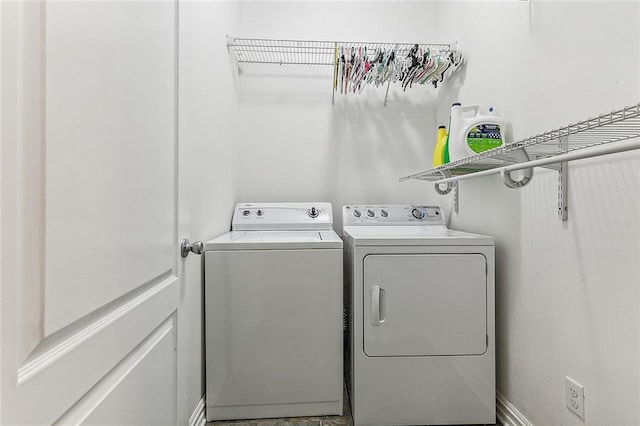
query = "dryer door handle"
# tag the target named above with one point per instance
(377, 305)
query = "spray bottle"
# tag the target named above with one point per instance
(438, 152)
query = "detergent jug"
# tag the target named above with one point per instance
(472, 132)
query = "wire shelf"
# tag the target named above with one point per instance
(354, 64)
(282, 52)
(310, 52)
(611, 128)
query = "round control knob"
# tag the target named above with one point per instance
(313, 212)
(357, 213)
(371, 213)
(259, 212)
(418, 213)
(384, 213)
(246, 213)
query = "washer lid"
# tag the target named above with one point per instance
(275, 240)
(412, 236)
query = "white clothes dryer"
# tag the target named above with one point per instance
(273, 314)
(420, 335)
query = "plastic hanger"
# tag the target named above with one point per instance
(358, 66)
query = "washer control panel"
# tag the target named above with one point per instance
(282, 216)
(392, 214)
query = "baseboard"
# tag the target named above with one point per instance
(198, 417)
(508, 414)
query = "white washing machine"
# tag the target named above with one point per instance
(273, 314)
(420, 336)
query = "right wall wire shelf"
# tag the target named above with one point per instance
(617, 131)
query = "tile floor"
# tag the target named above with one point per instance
(344, 420)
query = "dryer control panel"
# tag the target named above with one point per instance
(392, 214)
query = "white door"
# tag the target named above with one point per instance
(425, 304)
(89, 262)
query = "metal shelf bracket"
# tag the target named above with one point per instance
(450, 186)
(455, 197)
(563, 186)
(445, 191)
(509, 182)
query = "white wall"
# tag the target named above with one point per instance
(207, 136)
(567, 293)
(295, 146)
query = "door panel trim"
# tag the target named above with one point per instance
(98, 393)
(26, 142)
(94, 358)
(54, 347)
(198, 417)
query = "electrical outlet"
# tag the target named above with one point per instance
(574, 394)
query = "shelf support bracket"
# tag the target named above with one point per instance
(563, 180)
(231, 42)
(444, 191)
(386, 95)
(521, 156)
(455, 197)
(335, 75)
(450, 186)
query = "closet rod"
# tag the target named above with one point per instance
(288, 63)
(569, 156)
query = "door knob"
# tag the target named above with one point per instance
(186, 247)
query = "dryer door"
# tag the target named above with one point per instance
(425, 304)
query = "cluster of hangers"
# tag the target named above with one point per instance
(356, 66)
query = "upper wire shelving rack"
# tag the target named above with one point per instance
(312, 53)
(616, 131)
(308, 52)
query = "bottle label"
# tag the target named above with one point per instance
(484, 137)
